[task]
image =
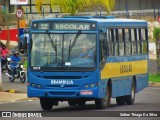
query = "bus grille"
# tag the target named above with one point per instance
(64, 86)
(62, 77)
(62, 93)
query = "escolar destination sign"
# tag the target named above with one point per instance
(47, 25)
(73, 26)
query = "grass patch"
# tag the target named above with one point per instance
(25, 64)
(154, 78)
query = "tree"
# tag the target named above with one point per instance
(73, 7)
(156, 35)
(4, 24)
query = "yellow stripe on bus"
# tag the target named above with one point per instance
(120, 69)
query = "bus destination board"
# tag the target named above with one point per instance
(72, 26)
(43, 26)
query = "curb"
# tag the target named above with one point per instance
(14, 91)
(154, 83)
(28, 99)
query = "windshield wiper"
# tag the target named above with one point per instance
(54, 45)
(71, 45)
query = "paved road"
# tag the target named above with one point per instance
(7, 85)
(146, 100)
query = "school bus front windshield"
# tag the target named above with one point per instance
(59, 51)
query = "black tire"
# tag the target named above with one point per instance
(72, 103)
(46, 103)
(4, 67)
(131, 98)
(120, 100)
(23, 77)
(81, 103)
(11, 79)
(102, 103)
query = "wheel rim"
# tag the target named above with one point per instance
(22, 77)
(133, 92)
(108, 98)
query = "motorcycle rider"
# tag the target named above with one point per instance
(4, 51)
(24, 38)
(15, 58)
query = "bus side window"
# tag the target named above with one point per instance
(144, 41)
(121, 41)
(109, 43)
(102, 38)
(133, 42)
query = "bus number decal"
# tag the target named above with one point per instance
(126, 68)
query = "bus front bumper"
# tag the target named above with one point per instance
(89, 93)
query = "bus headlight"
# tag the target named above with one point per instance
(33, 85)
(92, 85)
(38, 86)
(86, 86)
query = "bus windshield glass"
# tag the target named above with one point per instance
(69, 51)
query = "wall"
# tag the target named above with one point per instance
(12, 36)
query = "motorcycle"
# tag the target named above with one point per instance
(4, 63)
(19, 74)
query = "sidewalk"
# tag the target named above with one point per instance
(11, 97)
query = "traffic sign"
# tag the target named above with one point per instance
(19, 2)
(19, 13)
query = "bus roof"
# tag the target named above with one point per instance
(109, 21)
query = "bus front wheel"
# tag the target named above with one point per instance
(102, 103)
(72, 103)
(46, 103)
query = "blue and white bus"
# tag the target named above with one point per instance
(87, 58)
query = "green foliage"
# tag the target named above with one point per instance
(156, 33)
(74, 6)
(25, 64)
(154, 78)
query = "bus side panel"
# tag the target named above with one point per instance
(128, 82)
(102, 88)
(145, 81)
(121, 87)
(141, 82)
(114, 88)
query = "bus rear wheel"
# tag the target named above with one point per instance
(102, 103)
(120, 100)
(129, 99)
(46, 103)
